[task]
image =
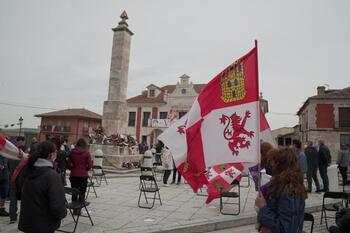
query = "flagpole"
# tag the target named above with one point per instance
(258, 118)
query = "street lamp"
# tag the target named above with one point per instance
(20, 125)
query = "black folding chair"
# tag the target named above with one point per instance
(76, 207)
(98, 174)
(335, 196)
(231, 195)
(90, 186)
(310, 218)
(148, 184)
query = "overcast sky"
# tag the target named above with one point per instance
(56, 54)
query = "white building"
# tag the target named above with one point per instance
(150, 112)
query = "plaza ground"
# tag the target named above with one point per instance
(115, 210)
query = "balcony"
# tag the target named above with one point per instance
(160, 123)
(56, 128)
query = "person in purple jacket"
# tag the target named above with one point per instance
(79, 164)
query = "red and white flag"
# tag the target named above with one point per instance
(220, 177)
(175, 139)
(223, 123)
(7, 149)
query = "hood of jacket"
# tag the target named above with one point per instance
(41, 166)
(78, 150)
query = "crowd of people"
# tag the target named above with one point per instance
(280, 203)
(38, 182)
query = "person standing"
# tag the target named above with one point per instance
(43, 199)
(324, 162)
(79, 163)
(13, 192)
(4, 185)
(174, 174)
(283, 210)
(167, 164)
(300, 156)
(343, 162)
(312, 166)
(33, 145)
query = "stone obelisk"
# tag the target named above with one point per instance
(114, 119)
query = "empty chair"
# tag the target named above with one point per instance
(98, 174)
(310, 218)
(148, 185)
(90, 186)
(236, 201)
(334, 196)
(75, 207)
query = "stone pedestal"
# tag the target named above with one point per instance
(114, 155)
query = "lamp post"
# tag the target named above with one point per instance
(20, 125)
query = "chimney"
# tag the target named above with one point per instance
(165, 97)
(321, 90)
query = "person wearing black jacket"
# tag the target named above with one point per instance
(324, 162)
(312, 166)
(43, 198)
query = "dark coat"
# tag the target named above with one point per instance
(4, 171)
(43, 201)
(79, 162)
(284, 214)
(312, 158)
(324, 156)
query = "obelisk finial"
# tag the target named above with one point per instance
(123, 25)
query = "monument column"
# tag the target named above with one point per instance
(114, 119)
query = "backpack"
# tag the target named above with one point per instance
(19, 177)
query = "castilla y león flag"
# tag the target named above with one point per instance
(223, 123)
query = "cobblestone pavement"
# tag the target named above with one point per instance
(115, 210)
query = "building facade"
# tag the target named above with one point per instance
(326, 116)
(70, 124)
(150, 113)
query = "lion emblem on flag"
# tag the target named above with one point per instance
(235, 130)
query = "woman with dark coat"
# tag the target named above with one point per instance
(43, 199)
(283, 211)
(79, 163)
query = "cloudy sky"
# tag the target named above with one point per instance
(56, 54)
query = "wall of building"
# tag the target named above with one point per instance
(317, 130)
(75, 127)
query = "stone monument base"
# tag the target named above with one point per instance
(115, 155)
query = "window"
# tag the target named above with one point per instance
(324, 116)
(163, 115)
(344, 117)
(152, 93)
(132, 119)
(181, 114)
(146, 116)
(144, 139)
(183, 91)
(344, 139)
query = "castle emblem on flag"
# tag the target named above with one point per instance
(234, 131)
(232, 83)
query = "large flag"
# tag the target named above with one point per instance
(175, 139)
(223, 123)
(7, 149)
(265, 136)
